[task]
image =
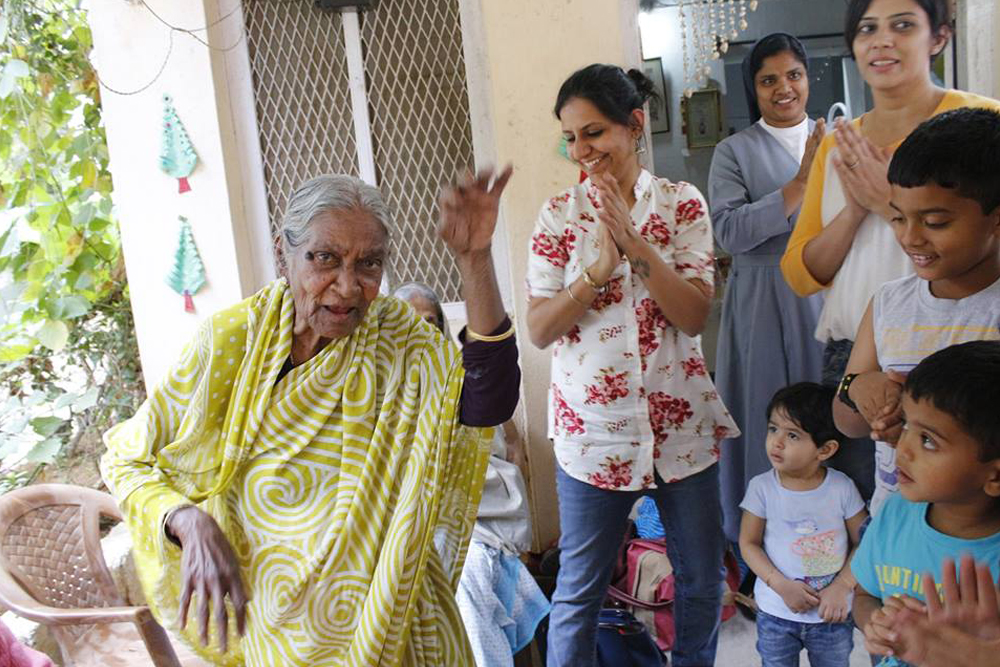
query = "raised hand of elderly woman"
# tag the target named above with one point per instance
(469, 210)
(210, 569)
(862, 168)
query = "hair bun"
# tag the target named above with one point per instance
(643, 84)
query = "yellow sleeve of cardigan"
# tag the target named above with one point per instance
(808, 225)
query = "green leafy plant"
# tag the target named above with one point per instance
(69, 364)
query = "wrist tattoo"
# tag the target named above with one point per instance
(640, 267)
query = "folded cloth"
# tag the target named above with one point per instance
(503, 520)
(500, 603)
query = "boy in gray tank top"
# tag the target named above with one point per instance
(945, 192)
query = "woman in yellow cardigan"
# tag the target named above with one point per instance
(842, 241)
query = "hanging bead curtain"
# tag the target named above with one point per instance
(707, 27)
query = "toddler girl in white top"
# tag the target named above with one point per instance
(801, 521)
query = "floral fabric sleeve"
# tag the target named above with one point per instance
(693, 249)
(549, 250)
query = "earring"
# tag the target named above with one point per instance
(640, 145)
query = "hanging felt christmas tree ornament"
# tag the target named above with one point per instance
(177, 156)
(187, 275)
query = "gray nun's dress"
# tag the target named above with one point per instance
(766, 337)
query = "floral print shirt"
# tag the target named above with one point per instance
(629, 392)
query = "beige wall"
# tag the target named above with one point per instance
(519, 52)
(129, 48)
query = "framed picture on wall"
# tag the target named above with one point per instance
(659, 114)
(703, 118)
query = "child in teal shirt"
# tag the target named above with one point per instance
(948, 458)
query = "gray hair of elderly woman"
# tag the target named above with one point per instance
(406, 291)
(330, 192)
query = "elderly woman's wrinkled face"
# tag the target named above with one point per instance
(336, 273)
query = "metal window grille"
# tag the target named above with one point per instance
(418, 108)
(421, 134)
(302, 95)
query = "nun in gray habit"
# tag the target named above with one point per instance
(756, 185)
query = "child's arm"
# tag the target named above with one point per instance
(873, 621)
(833, 606)
(876, 394)
(799, 596)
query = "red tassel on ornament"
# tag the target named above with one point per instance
(188, 302)
(182, 185)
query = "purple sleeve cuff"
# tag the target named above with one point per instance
(492, 379)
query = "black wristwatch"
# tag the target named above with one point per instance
(842, 388)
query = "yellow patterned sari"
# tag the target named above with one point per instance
(332, 484)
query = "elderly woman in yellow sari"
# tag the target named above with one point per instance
(288, 478)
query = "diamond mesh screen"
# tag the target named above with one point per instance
(302, 95)
(419, 108)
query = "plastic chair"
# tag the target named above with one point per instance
(52, 571)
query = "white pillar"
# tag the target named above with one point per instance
(977, 23)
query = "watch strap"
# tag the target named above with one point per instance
(843, 388)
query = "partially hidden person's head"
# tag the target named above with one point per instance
(601, 111)
(776, 80)
(334, 242)
(945, 184)
(425, 301)
(894, 42)
(800, 429)
(949, 450)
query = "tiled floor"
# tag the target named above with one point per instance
(738, 639)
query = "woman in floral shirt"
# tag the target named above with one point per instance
(620, 279)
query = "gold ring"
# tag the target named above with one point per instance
(854, 164)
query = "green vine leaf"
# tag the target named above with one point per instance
(46, 426)
(66, 331)
(54, 334)
(70, 307)
(13, 70)
(45, 451)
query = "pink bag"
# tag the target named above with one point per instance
(644, 584)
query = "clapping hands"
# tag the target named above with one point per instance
(959, 628)
(862, 168)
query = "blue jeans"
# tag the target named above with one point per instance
(593, 524)
(780, 641)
